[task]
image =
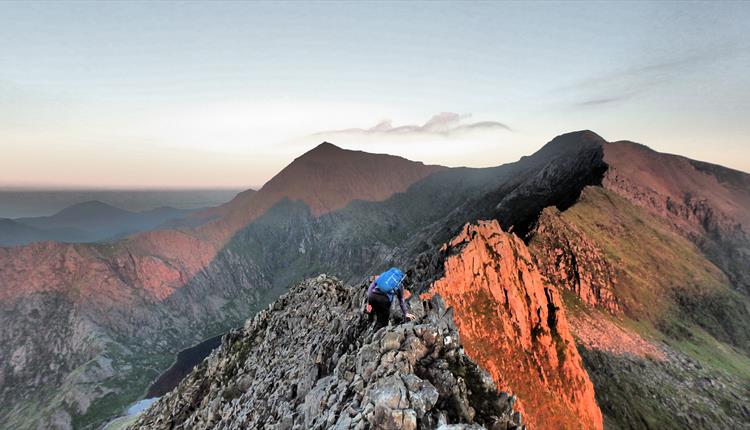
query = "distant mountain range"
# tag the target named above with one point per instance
(91, 221)
(604, 284)
(35, 202)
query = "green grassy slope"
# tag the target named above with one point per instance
(663, 278)
(672, 294)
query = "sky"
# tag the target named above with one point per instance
(211, 94)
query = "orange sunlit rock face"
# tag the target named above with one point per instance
(512, 323)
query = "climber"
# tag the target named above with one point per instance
(380, 296)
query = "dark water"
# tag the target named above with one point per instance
(186, 360)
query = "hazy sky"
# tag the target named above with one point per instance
(226, 94)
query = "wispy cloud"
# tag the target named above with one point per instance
(446, 138)
(442, 124)
(623, 85)
(599, 101)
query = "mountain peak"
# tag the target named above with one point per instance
(573, 141)
(530, 333)
(326, 146)
(324, 149)
(580, 136)
(327, 178)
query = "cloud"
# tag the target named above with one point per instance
(446, 138)
(599, 101)
(445, 124)
(625, 84)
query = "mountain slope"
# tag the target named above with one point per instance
(14, 233)
(708, 204)
(679, 327)
(325, 179)
(135, 302)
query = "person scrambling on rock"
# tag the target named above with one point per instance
(380, 296)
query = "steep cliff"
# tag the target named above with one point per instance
(311, 361)
(513, 324)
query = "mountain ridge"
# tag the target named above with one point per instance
(183, 286)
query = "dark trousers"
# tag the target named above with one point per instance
(381, 308)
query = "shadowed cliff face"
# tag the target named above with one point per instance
(569, 259)
(512, 323)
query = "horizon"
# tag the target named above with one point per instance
(74, 187)
(131, 96)
(256, 187)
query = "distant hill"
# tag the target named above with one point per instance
(33, 202)
(90, 221)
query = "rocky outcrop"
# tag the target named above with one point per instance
(569, 259)
(311, 361)
(513, 324)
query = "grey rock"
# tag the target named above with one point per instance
(391, 341)
(333, 371)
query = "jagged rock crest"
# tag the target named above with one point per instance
(311, 361)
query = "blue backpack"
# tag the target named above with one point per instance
(390, 281)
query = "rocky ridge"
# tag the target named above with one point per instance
(312, 361)
(513, 324)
